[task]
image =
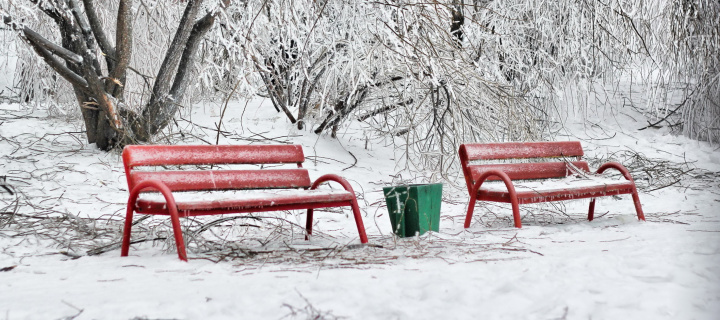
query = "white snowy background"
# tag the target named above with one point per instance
(59, 257)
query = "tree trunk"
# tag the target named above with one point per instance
(100, 93)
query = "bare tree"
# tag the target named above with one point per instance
(98, 70)
(694, 33)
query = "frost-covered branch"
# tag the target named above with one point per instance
(99, 33)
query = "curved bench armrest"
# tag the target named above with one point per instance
(617, 166)
(626, 173)
(498, 173)
(333, 177)
(353, 204)
(151, 184)
(172, 211)
(511, 192)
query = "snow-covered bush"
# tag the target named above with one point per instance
(429, 75)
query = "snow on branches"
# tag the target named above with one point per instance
(426, 75)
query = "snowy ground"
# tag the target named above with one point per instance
(558, 266)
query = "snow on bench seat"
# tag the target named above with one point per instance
(571, 187)
(154, 203)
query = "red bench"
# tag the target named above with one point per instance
(230, 191)
(550, 171)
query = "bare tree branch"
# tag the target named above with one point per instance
(384, 109)
(85, 30)
(52, 12)
(123, 42)
(172, 57)
(97, 29)
(159, 110)
(57, 65)
(199, 30)
(38, 40)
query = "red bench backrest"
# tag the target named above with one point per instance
(186, 180)
(553, 154)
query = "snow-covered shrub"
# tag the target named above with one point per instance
(426, 75)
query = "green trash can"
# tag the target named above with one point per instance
(414, 209)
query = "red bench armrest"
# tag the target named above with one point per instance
(498, 173)
(172, 209)
(508, 184)
(333, 177)
(617, 166)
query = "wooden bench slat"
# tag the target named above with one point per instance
(520, 150)
(526, 171)
(154, 155)
(226, 179)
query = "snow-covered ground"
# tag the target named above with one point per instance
(558, 266)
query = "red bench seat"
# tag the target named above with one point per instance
(201, 203)
(534, 191)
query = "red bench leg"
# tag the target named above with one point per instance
(636, 202)
(177, 232)
(471, 208)
(125, 249)
(516, 210)
(591, 210)
(358, 221)
(638, 207)
(308, 224)
(356, 214)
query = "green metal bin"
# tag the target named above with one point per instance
(414, 209)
